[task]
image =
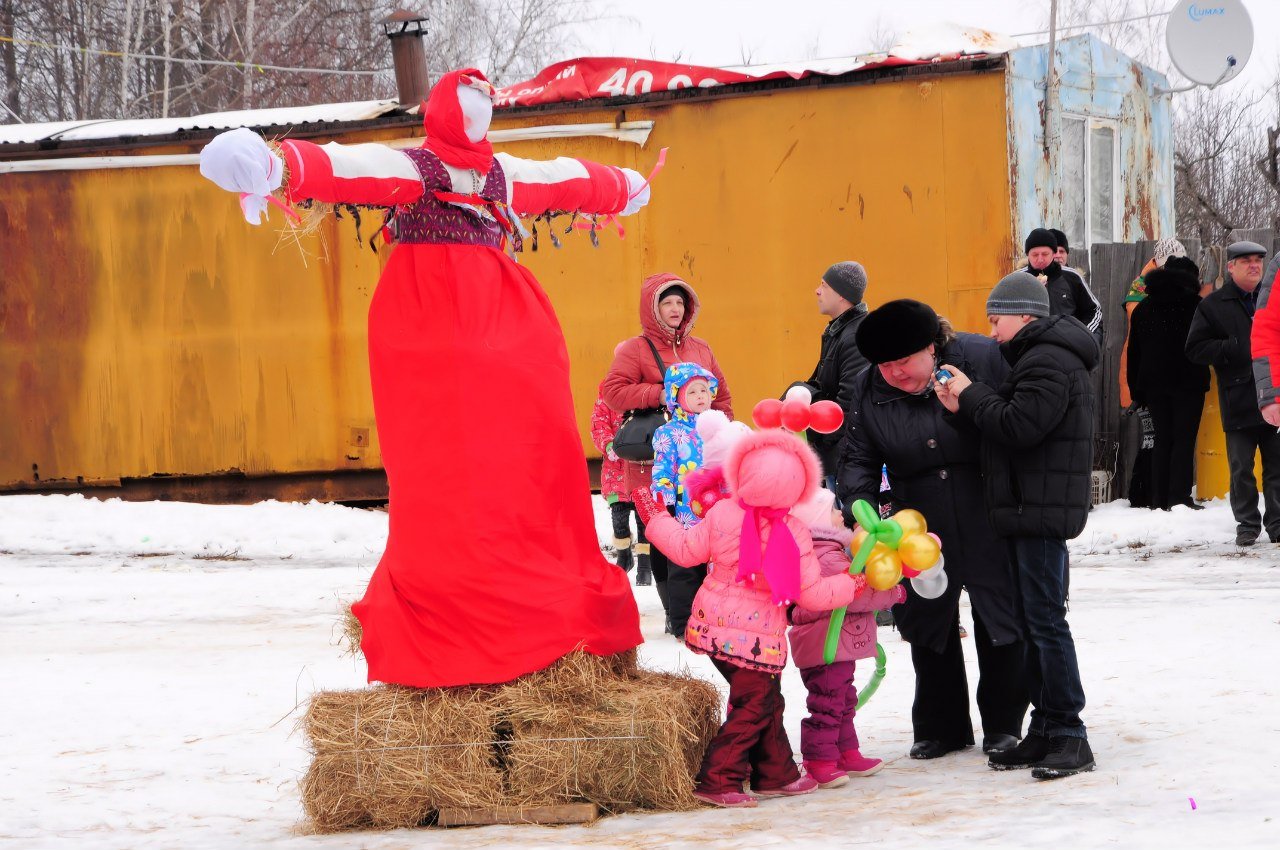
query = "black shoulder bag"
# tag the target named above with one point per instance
(634, 440)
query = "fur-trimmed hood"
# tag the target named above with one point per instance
(772, 469)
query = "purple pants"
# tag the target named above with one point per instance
(752, 743)
(832, 703)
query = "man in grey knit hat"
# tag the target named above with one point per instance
(1037, 432)
(839, 295)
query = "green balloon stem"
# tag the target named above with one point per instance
(837, 616)
(867, 692)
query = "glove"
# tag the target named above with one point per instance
(240, 161)
(647, 507)
(899, 594)
(859, 585)
(635, 187)
(608, 451)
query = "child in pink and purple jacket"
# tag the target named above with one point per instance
(828, 741)
(761, 560)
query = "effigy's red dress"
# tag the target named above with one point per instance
(492, 568)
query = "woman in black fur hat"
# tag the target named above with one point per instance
(933, 465)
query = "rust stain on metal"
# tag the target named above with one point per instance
(46, 309)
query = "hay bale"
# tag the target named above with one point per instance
(585, 729)
(388, 757)
(352, 631)
(619, 742)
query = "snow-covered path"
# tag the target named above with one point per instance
(153, 655)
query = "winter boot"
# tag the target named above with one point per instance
(622, 545)
(826, 774)
(1067, 757)
(1029, 753)
(644, 575)
(727, 799)
(803, 785)
(998, 742)
(661, 587)
(855, 763)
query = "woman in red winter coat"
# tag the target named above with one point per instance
(668, 308)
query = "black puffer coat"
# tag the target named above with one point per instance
(1037, 431)
(839, 363)
(934, 466)
(1219, 337)
(1158, 334)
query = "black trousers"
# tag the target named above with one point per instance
(941, 708)
(1242, 443)
(1176, 417)
(682, 586)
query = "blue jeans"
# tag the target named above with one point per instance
(1053, 675)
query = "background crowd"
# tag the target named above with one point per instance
(991, 437)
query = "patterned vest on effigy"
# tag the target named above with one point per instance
(433, 221)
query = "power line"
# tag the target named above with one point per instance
(181, 61)
(1098, 24)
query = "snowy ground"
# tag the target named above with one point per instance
(154, 655)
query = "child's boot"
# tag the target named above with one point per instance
(826, 774)
(803, 785)
(622, 545)
(727, 799)
(644, 575)
(855, 763)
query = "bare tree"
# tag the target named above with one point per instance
(1221, 149)
(142, 58)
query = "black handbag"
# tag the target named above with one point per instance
(634, 440)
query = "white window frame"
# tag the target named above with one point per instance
(1092, 123)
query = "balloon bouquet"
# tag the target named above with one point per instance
(885, 549)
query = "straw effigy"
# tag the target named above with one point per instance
(586, 729)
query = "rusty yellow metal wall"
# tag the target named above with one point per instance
(146, 329)
(762, 192)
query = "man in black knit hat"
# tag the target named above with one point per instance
(1063, 253)
(1069, 295)
(839, 295)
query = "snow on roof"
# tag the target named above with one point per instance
(82, 130)
(927, 43)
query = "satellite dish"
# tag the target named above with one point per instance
(1209, 41)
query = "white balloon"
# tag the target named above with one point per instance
(931, 583)
(800, 392)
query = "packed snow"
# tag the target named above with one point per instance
(156, 656)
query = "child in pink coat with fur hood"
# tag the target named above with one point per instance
(761, 560)
(828, 741)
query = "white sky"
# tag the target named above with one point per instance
(729, 32)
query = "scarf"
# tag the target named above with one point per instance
(779, 562)
(446, 137)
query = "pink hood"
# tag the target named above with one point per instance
(772, 469)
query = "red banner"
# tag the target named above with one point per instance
(581, 79)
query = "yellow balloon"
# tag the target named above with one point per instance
(919, 551)
(858, 537)
(912, 522)
(884, 569)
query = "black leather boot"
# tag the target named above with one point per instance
(622, 546)
(644, 575)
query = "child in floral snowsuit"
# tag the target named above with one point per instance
(688, 390)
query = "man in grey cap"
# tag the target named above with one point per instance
(1037, 459)
(839, 295)
(1219, 337)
